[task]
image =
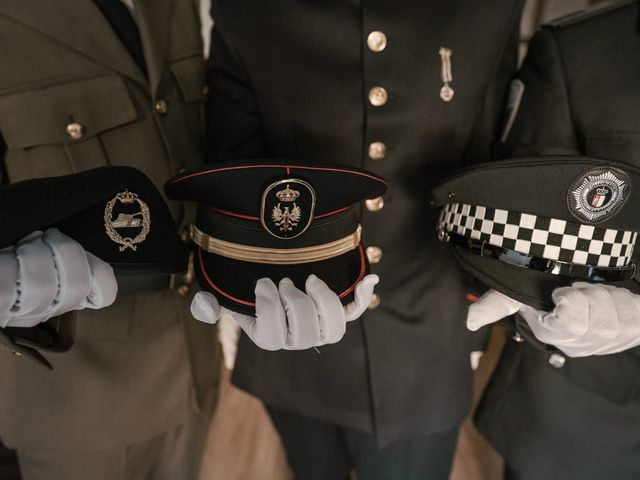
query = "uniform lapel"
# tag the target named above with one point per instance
(79, 25)
(154, 22)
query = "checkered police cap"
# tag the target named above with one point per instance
(530, 225)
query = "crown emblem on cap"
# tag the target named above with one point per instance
(127, 197)
(287, 195)
(127, 220)
(602, 191)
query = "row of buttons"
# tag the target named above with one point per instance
(76, 131)
(556, 360)
(378, 96)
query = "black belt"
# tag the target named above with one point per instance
(553, 267)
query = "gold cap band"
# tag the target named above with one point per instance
(276, 256)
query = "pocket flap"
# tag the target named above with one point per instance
(40, 116)
(191, 77)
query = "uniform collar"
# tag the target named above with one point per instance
(79, 25)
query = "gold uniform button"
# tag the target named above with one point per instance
(161, 107)
(75, 130)
(374, 204)
(374, 254)
(378, 96)
(377, 41)
(375, 301)
(377, 150)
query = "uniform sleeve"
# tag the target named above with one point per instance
(487, 123)
(485, 130)
(233, 122)
(542, 125)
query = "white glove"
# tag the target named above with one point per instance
(48, 274)
(588, 319)
(287, 318)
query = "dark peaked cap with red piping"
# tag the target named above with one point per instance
(276, 218)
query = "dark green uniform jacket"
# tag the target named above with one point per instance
(142, 365)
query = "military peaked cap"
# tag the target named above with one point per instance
(527, 226)
(275, 219)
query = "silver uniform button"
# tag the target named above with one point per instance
(374, 204)
(517, 337)
(377, 150)
(378, 96)
(17, 354)
(161, 107)
(374, 254)
(556, 360)
(375, 301)
(75, 130)
(377, 41)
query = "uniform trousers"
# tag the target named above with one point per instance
(175, 454)
(322, 451)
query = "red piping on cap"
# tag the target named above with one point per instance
(362, 270)
(215, 287)
(288, 167)
(232, 214)
(250, 304)
(330, 213)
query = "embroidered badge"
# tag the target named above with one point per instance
(598, 194)
(287, 208)
(133, 219)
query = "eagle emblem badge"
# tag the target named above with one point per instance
(133, 220)
(287, 208)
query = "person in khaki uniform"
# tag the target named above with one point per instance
(86, 84)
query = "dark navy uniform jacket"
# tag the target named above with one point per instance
(551, 416)
(358, 83)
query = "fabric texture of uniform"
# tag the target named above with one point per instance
(550, 416)
(292, 80)
(71, 99)
(321, 451)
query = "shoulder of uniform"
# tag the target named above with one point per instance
(587, 14)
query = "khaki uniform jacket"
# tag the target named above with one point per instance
(142, 365)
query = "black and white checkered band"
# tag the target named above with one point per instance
(548, 238)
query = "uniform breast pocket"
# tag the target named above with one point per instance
(621, 146)
(189, 73)
(56, 129)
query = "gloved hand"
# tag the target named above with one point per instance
(588, 319)
(287, 318)
(48, 274)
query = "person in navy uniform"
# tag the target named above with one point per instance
(564, 403)
(408, 90)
